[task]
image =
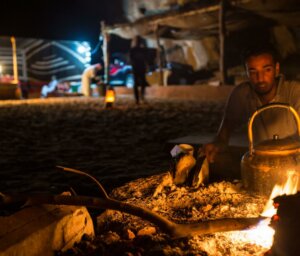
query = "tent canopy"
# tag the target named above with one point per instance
(201, 19)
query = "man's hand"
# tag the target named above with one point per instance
(210, 150)
(220, 142)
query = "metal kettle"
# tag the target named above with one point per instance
(269, 162)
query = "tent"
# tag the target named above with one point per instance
(233, 23)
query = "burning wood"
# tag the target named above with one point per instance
(173, 229)
(187, 169)
(218, 200)
(286, 225)
(188, 205)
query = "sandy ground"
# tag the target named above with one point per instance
(127, 143)
(115, 145)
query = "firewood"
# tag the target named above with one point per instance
(167, 226)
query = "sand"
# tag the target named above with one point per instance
(127, 149)
(115, 145)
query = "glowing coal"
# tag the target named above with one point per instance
(187, 205)
(263, 234)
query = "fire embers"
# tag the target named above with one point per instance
(286, 225)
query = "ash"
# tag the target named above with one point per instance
(124, 234)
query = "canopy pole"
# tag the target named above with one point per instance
(222, 37)
(105, 50)
(160, 62)
(15, 63)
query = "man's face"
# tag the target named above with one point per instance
(262, 72)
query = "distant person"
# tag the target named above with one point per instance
(162, 56)
(63, 87)
(49, 87)
(86, 78)
(25, 88)
(138, 59)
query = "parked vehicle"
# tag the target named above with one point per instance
(174, 73)
(120, 72)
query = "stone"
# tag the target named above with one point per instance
(147, 231)
(110, 237)
(44, 229)
(128, 234)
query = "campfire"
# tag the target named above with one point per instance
(212, 204)
(217, 200)
(263, 234)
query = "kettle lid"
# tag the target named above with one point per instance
(278, 146)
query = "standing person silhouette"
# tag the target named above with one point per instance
(86, 78)
(138, 61)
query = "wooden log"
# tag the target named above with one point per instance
(169, 227)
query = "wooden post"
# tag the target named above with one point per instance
(160, 62)
(105, 50)
(15, 63)
(222, 36)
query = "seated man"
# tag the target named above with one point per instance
(265, 85)
(50, 87)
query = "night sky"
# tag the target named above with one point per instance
(60, 19)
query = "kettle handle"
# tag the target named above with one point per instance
(268, 106)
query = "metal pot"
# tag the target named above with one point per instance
(269, 162)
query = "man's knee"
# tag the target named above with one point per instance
(227, 165)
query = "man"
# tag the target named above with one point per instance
(265, 85)
(86, 78)
(138, 59)
(49, 87)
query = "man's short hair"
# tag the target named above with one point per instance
(98, 66)
(255, 50)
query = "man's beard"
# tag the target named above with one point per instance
(259, 86)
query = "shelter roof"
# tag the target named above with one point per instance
(201, 19)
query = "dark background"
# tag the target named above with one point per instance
(62, 20)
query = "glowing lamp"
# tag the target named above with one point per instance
(110, 97)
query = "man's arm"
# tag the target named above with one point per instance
(223, 134)
(220, 142)
(231, 117)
